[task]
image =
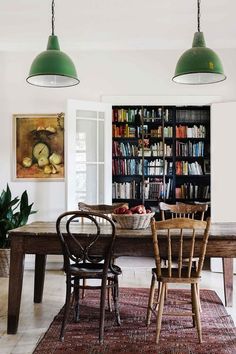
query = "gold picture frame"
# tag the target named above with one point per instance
(39, 147)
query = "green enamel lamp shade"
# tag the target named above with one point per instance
(199, 65)
(53, 68)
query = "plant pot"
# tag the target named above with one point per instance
(4, 262)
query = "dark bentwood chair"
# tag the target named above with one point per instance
(101, 209)
(82, 261)
(178, 229)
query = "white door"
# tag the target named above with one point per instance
(88, 153)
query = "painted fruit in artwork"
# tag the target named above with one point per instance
(27, 162)
(43, 161)
(55, 159)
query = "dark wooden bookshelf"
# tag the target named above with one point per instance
(170, 146)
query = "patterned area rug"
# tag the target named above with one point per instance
(177, 335)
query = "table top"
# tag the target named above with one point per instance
(43, 228)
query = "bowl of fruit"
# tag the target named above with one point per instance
(137, 217)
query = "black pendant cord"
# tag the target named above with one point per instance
(53, 17)
(198, 15)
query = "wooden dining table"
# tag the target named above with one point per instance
(40, 239)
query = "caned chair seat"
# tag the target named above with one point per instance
(91, 271)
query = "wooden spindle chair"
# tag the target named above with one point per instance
(182, 230)
(183, 210)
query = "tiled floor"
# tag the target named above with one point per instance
(35, 318)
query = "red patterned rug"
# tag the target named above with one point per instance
(177, 335)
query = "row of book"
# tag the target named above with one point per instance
(126, 190)
(125, 131)
(188, 115)
(124, 115)
(127, 149)
(189, 148)
(158, 149)
(130, 167)
(126, 167)
(188, 168)
(154, 189)
(184, 131)
(157, 167)
(192, 191)
(159, 132)
(154, 115)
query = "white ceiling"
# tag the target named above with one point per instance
(116, 24)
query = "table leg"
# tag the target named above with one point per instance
(15, 288)
(39, 275)
(228, 280)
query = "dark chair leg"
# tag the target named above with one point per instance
(76, 299)
(109, 294)
(67, 307)
(83, 290)
(116, 299)
(102, 310)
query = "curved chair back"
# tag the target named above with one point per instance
(80, 240)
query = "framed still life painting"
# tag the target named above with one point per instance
(39, 146)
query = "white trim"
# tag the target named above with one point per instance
(161, 100)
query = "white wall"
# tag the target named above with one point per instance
(102, 73)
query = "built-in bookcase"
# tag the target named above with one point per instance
(161, 153)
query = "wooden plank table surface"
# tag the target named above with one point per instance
(40, 238)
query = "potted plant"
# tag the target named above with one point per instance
(14, 212)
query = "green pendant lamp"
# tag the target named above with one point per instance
(199, 65)
(53, 68)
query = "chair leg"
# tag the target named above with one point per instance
(160, 312)
(150, 300)
(192, 302)
(199, 299)
(102, 310)
(76, 299)
(197, 312)
(109, 295)
(116, 300)
(67, 307)
(83, 290)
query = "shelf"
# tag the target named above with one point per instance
(157, 176)
(190, 157)
(133, 176)
(191, 139)
(127, 157)
(125, 138)
(193, 176)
